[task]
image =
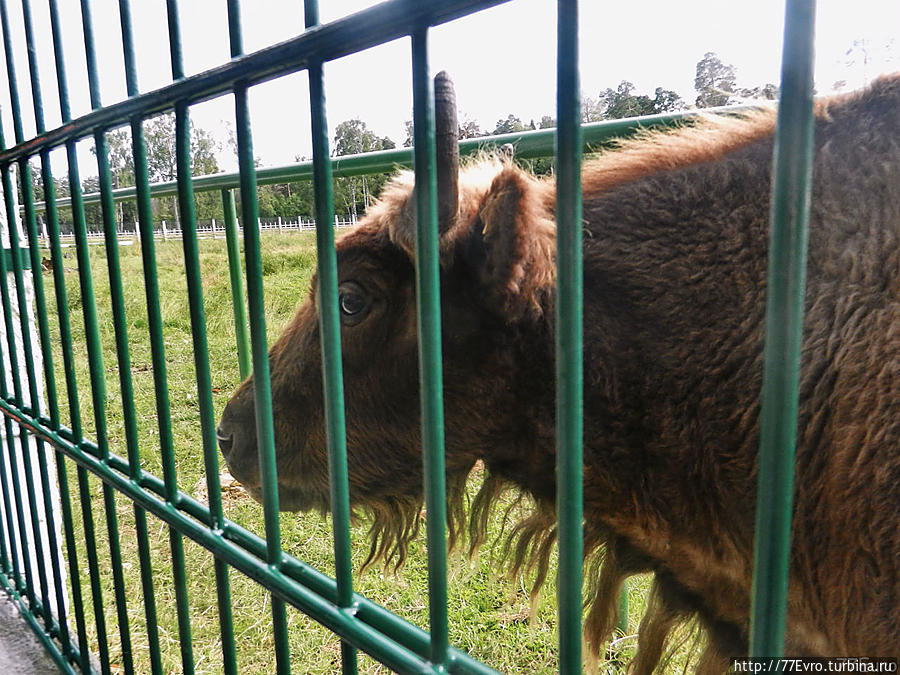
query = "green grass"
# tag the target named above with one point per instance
(488, 614)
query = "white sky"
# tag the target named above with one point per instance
(502, 60)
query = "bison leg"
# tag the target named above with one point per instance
(661, 616)
(608, 573)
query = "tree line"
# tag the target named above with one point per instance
(715, 84)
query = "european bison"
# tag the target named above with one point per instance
(675, 245)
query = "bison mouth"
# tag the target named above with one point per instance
(291, 498)
(244, 466)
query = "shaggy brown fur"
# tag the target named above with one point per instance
(675, 248)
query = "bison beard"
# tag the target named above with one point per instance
(675, 255)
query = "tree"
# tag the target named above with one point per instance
(121, 167)
(469, 128)
(510, 125)
(159, 135)
(408, 142)
(666, 100)
(288, 200)
(159, 138)
(714, 81)
(619, 103)
(356, 193)
(623, 102)
(767, 92)
(591, 110)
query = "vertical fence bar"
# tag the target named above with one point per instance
(242, 337)
(188, 231)
(27, 587)
(10, 559)
(569, 307)
(124, 361)
(29, 361)
(95, 362)
(37, 604)
(428, 297)
(121, 335)
(262, 390)
(5, 568)
(75, 415)
(791, 180)
(98, 397)
(14, 510)
(69, 366)
(65, 333)
(329, 325)
(154, 321)
(50, 382)
(48, 545)
(5, 524)
(200, 348)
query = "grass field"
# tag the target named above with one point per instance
(489, 614)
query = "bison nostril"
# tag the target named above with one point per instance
(225, 440)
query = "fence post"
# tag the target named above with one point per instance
(213, 228)
(279, 225)
(165, 231)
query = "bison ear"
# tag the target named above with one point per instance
(509, 250)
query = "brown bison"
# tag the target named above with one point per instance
(675, 255)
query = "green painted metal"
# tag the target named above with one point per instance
(120, 328)
(791, 179)
(20, 256)
(388, 638)
(235, 271)
(21, 510)
(569, 304)
(258, 344)
(34, 398)
(80, 654)
(67, 352)
(145, 220)
(27, 583)
(95, 359)
(428, 313)
(528, 145)
(330, 327)
(368, 28)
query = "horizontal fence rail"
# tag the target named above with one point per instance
(526, 145)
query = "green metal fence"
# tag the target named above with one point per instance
(42, 569)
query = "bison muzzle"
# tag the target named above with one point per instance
(675, 256)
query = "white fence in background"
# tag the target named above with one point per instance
(206, 229)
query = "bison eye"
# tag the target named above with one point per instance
(353, 303)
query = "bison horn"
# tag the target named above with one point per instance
(446, 142)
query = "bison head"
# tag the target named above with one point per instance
(497, 275)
